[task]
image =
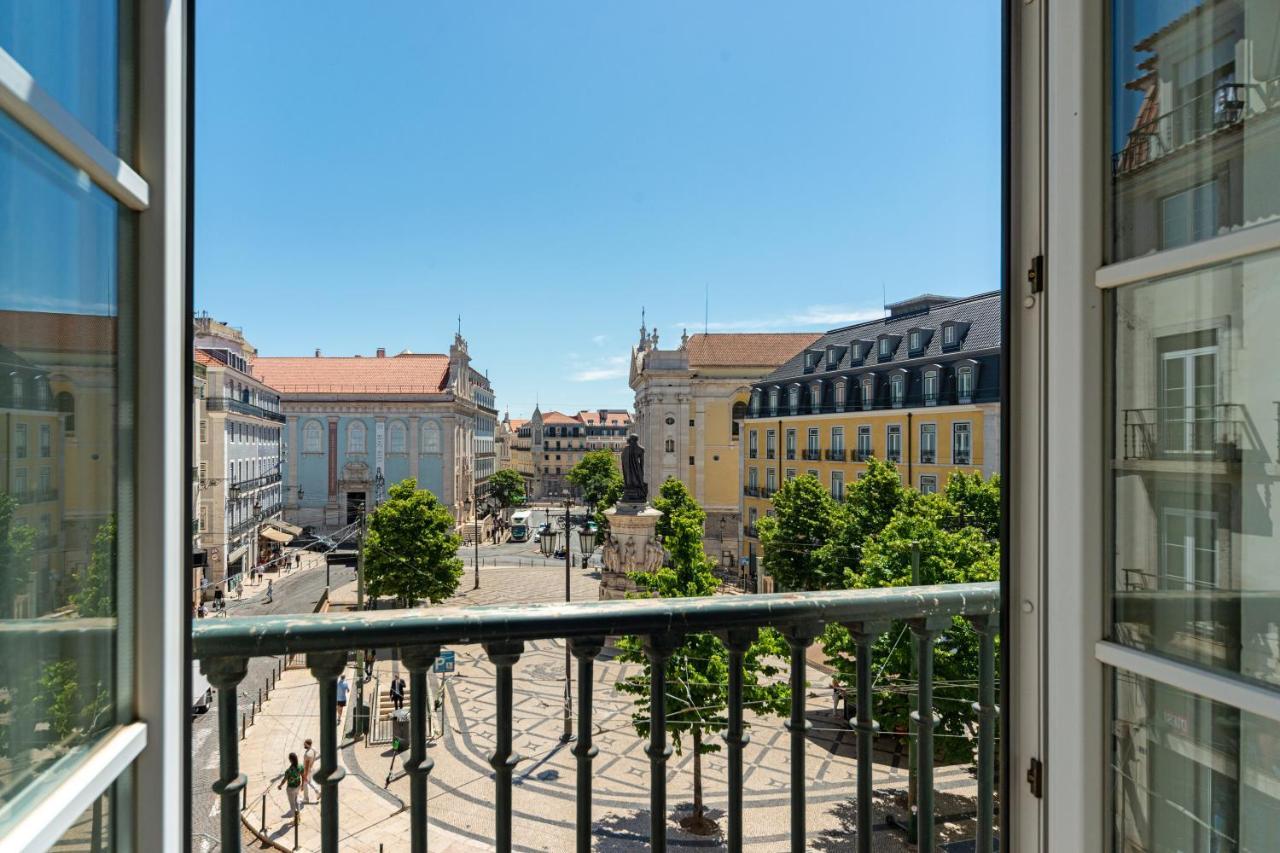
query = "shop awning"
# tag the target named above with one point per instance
(237, 554)
(291, 529)
(275, 535)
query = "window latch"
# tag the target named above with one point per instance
(1035, 778)
(1035, 274)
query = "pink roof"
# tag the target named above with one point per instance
(401, 374)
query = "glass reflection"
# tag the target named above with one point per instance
(1189, 774)
(1195, 113)
(60, 447)
(1196, 564)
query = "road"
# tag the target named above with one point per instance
(294, 593)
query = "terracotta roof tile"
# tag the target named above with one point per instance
(558, 418)
(416, 374)
(596, 417)
(746, 349)
(50, 332)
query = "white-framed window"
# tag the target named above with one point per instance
(897, 390)
(868, 393)
(45, 441)
(949, 335)
(837, 440)
(815, 441)
(753, 478)
(356, 434)
(914, 342)
(961, 443)
(1188, 391)
(893, 443)
(397, 437)
(770, 480)
(21, 439)
(753, 444)
(793, 399)
(791, 444)
(930, 387)
(886, 347)
(791, 474)
(17, 392)
(964, 384)
(1189, 216)
(837, 485)
(864, 442)
(928, 444)
(770, 444)
(928, 484)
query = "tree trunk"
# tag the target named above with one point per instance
(697, 774)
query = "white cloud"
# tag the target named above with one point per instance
(598, 369)
(599, 340)
(823, 316)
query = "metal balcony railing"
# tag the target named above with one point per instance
(224, 647)
(862, 454)
(230, 404)
(835, 455)
(791, 454)
(928, 457)
(1224, 107)
(31, 496)
(811, 454)
(1206, 433)
(254, 483)
(771, 454)
(751, 491)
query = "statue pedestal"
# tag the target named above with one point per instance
(632, 547)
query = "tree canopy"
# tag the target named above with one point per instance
(507, 487)
(598, 478)
(411, 548)
(805, 518)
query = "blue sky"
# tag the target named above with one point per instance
(368, 172)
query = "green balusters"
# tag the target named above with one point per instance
(326, 667)
(225, 674)
(986, 709)
(504, 656)
(864, 636)
(418, 659)
(926, 630)
(799, 637)
(736, 641)
(585, 650)
(658, 647)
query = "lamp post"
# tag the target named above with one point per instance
(475, 538)
(567, 734)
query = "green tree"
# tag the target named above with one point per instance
(17, 546)
(599, 481)
(698, 671)
(805, 519)
(869, 504)
(507, 488)
(94, 596)
(977, 501)
(411, 549)
(922, 525)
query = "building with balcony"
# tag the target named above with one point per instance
(239, 457)
(690, 402)
(557, 442)
(919, 388)
(355, 421)
(519, 444)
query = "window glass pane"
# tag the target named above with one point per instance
(1190, 774)
(63, 276)
(1196, 440)
(74, 50)
(93, 831)
(1195, 101)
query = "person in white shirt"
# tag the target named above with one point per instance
(310, 760)
(343, 689)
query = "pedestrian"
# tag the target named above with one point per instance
(343, 689)
(200, 611)
(269, 591)
(835, 697)
(397, 692)
(293, 778)
(369, 655)
(309, 759)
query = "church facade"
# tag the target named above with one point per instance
(357, 425)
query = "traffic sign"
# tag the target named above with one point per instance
(445, 662)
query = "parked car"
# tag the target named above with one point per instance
(314, 542)
(201, 690)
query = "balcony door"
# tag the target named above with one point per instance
(1188, 399)
(1189, 549)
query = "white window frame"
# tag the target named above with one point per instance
(837, 485)
(928, 484)
(892, 438)
(959, 428)
(930, 387)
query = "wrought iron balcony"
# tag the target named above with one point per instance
(230, 404)
(928, 457)
(224, 647)
(1197, 433)
(835, 455)
(254, 483)
(862, 454)
(771, 454)
(811, 454)
(791, 454)
(751, 491)
(31, 496)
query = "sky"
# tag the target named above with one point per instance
(367, 173)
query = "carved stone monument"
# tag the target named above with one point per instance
(633, 541)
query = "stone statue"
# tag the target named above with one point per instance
(634, 488)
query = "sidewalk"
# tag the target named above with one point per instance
(369, 816)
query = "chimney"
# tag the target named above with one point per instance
(317, 352)
(382, 352)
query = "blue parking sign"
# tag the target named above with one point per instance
(445, 662)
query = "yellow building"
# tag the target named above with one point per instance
(690, 403)
(920, 388)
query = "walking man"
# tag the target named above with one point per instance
(309, 759)
(293, 778)
(269, 590)
(397, 692)
(343, 689)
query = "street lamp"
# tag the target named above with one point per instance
(586, 542)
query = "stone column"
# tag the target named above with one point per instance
(415, 435)
(632, 547)
(333, 462)
(449, 463)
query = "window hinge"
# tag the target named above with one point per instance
(1035, 274)
(1035, 778)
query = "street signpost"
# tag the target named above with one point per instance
(445, 662)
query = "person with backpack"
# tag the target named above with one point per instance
(293, 778)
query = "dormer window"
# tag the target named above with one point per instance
(914, 343)
(931, 387)
(886, 347)
(949, 335)
(858, 352)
